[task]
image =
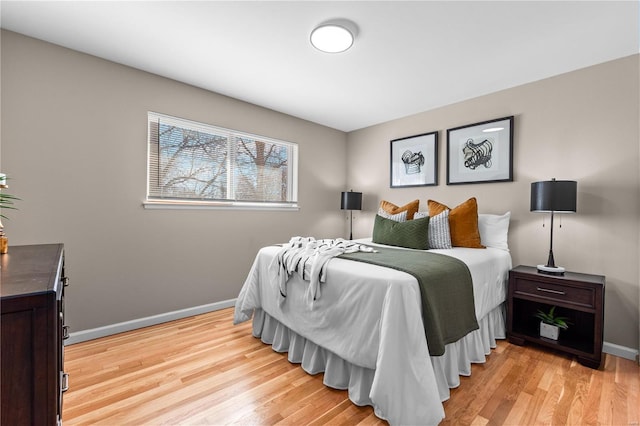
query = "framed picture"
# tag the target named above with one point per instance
(481, 152)
(414, 160)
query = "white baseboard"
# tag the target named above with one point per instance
(108, 330)
(621, 351)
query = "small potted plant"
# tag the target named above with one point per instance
(6, 202)
(550, 324)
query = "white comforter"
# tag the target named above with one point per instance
(371, 317)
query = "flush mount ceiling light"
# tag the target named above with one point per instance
(334, 36)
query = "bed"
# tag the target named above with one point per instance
(365, 331)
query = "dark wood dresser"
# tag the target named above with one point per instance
(32, 333)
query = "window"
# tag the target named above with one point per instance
(195, 164)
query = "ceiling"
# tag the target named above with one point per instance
(408, 57)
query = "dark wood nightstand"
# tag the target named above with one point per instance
(580, 297)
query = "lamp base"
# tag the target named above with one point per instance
(551, 270)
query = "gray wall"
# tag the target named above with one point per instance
(73, 135)
(578, 126)
(74, 131)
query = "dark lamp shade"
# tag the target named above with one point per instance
(554, 196)
(351, 201)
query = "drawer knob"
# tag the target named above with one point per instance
(548, 290)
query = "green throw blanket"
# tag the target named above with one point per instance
(448, 310)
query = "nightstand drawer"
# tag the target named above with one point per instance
(579, 296)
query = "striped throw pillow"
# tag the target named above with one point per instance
(398, 217)
(439, 232)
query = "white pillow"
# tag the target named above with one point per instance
(399, 217)
(439, 232)
(494, 230)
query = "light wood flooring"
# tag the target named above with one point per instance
(203, 370)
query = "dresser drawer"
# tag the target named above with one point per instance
(559, 293)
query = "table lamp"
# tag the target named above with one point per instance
(351, 201)
(553, 196)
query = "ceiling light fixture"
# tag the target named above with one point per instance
(334, 36)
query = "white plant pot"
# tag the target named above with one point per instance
(549, 331)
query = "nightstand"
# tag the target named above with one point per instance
(580, 297)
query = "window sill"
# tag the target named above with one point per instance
(216, 205)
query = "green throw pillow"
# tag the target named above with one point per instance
(411, 234)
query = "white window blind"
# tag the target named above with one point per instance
(195, 163)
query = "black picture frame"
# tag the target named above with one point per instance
(481, 152)
(414, 161)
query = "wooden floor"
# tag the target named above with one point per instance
(205, 371)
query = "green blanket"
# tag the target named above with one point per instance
(448, 310)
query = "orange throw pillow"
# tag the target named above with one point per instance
(391, 208)
(463, 222)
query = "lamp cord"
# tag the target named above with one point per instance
(559, 226)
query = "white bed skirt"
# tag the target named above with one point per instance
(341, 374)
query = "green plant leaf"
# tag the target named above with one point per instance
(7, 202)
(552, 319)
